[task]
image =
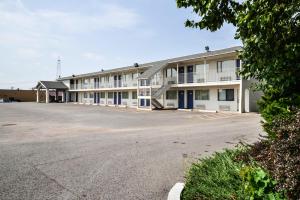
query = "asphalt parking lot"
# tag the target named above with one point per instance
(66, 151)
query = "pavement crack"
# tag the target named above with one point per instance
(56, 182)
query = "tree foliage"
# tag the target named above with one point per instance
(270, 33)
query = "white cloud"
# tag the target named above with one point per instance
(40, 29)
(14, 14)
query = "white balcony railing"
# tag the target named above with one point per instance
(96, 85)
(194, 77)
(183, 78)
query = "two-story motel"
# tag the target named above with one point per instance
(206, 81)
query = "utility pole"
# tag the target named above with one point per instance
(58, 68)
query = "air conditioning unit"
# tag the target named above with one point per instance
(201, 106)
(170, 105)
(225, 78)
(224, 108)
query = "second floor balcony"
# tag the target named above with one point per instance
(99, 85)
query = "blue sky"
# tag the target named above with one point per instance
(94, 34)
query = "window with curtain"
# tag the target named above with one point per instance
(219, 66)
(202, 95)
(134, 95)
(226, 95)
(171, 95)
(102, 95)
(110, 95)
(124, 95)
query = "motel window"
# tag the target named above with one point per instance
(124, 95)
(91, 95)
(124, 77)
(134, 95)
(171, 72)
(102, 95)
(226, 95)
(219, 66)
(85, 95)
(202, 95)
(110, 95)
(171, 95)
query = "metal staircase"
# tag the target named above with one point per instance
(153, 70)
(157, 94)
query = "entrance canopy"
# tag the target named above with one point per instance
(56, 86)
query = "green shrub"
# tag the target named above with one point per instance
(272, 110)
(281, 156)
(216, 177)
(259, 185)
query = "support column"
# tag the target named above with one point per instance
(205, 78)
(177, 73)
(63, 97)
(47, 95)
(38, 95)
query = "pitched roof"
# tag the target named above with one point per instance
(159, 64)
(52, 85)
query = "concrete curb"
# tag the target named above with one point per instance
(175, 191)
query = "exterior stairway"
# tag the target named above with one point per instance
(157, 94)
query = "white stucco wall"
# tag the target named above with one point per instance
(253, 97)
(214, 104)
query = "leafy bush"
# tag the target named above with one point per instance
(259, 185)
(216, 177)
(281, 156)
(273, 110)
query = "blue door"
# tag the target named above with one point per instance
(119, 98)
(190, 102)
(95, 97)
(190, 74)
(181, 99)
(98, 97)
(142, 102)
(115, 98)
(180, 75)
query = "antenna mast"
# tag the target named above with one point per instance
(58, 68)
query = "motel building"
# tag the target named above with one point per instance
(206, 82)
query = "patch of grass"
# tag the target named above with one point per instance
(215, 177)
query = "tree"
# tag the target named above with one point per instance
(269, 31)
